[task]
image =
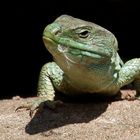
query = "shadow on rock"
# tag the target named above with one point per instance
(70, 113)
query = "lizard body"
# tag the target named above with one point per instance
(86, 61)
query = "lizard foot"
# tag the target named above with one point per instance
(129, 95)
(39, 104)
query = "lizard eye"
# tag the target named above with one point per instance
(83, 34)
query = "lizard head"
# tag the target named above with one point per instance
(78, 41)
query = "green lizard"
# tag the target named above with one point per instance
(85, 62)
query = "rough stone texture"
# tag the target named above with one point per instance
(107, 120)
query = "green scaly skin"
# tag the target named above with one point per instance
(86, 62)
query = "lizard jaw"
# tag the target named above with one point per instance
(62, 48)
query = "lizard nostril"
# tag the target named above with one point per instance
(53, 29)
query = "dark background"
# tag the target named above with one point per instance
(23, 52)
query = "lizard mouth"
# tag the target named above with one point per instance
(76, 52)
(72, 55)
(72, 50)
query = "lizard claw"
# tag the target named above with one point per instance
(39, 105)
(31, 108)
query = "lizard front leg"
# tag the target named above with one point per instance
(50, 75)
(130, 72)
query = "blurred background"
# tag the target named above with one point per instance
(23, 52)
